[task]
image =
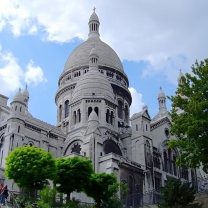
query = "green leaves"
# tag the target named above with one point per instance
(191, 124)
(176, 194)
(30, 167)
(102, 187)
(73, 174)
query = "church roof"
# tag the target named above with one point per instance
(18, 97)
(80, 56)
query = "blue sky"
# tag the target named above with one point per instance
(154, 39)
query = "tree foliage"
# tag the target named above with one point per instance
(102, 188)
(176, 194)
(30, 167)
(72, 174)
(191, 125)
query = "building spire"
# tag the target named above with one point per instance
(94, 25)
(179, 77)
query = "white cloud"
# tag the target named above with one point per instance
(152, 31)
(137, 103)
(12, 75)
(34, 74)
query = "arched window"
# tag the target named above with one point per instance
(148, 154)
(136, 127)
(174, 166)
(111, 118)
(74, 117)
(126, 114)
(170, 161)
(111, 147)
(158, 163)
(18, 129)
(131, 191)
(89, 111)
(165, 162)
(107, 115)
(131, 185)
(60, 112)
(66, 108)
(97, 111)
(155, 161)
(120, 113)
(79, 115)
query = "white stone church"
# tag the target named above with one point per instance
(93, 104)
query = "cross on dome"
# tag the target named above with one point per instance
(94, 9)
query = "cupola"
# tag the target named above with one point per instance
(18, 105)
(162, 100)
(94, 25)
(18, 97)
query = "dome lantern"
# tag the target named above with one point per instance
(93, 58)
(94, 25)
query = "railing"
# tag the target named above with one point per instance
(142, 199)
(154, 197)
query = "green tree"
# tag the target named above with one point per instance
(102, 188)
(73, 174)
(30, 167)
(176, 194)
(191, 125)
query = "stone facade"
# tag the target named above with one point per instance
(93, 108)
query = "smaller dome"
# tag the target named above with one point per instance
(26, 93)
(93, 83)
(93, 52)
(161, 94)
(93, 119)
(93, 116)
(94, 17)
(18, 97)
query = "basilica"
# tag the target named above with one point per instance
(93, 120)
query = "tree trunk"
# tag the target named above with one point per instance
(98, 204)
(68, 197)
(32, 192)
(61, 198)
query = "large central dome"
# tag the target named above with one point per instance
(80, 56)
